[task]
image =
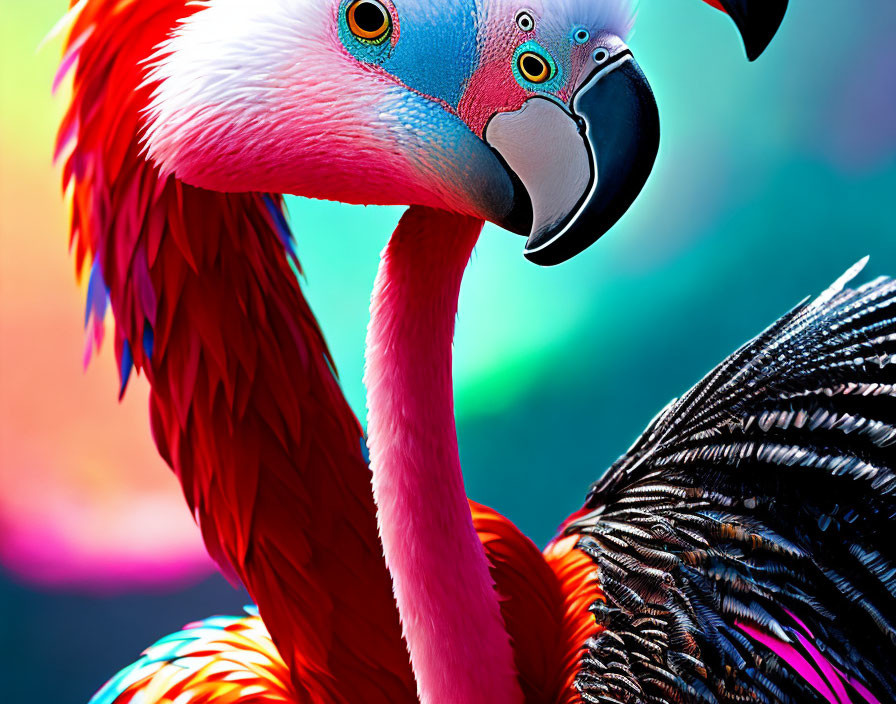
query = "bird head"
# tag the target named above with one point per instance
(532, 114)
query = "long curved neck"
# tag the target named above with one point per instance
(459, 647)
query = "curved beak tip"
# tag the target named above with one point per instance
(757, 22)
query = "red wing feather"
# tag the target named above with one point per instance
(545, 602)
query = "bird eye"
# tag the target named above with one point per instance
(369, 21)
(534, 68)
(525, 21)
(582, 35)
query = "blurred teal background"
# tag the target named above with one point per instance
(772, 179)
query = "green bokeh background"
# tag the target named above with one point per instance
(772, 179)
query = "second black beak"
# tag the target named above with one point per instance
(582, 166)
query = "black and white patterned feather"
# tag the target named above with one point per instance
(749, 531)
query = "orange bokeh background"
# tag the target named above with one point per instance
(73, 461)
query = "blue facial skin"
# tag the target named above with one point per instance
(454, 25)
(455, 50)
(434, 56)
(439, 144)
(580, 35)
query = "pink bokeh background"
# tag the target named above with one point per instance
(73, 461)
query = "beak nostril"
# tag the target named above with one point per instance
(601, 55)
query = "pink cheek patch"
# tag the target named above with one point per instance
(491, 89)
(396, 27)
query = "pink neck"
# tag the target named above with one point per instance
(459, 647)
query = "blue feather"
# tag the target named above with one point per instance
(126, 365)
(148, 339)
(277, 215)
(97, 295)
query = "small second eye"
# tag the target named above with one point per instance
(369, 21)
(534, 68)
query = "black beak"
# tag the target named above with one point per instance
(583, 166)
(622, 135)
(576, 169)
(757, 20)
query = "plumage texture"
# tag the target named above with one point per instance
(230, 660)
(279, 96)
(244, 403)
(451, 618)
(544, 603)
(245, 406)
(696, 574)
(745, 543)
(451, 574)
(221, 660)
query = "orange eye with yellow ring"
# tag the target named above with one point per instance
(369, 21)
(533, 67)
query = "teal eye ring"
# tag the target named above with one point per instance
(534, 68)
(581, 35)
(369, 21)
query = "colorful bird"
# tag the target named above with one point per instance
(730, 556)
(738, 552)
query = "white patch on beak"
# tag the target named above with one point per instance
(541, 144)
